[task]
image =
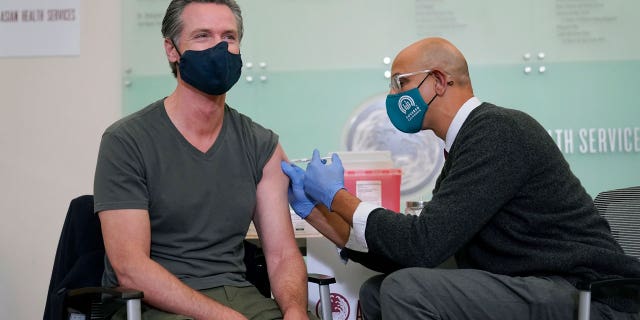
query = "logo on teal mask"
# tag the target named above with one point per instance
(407, 109)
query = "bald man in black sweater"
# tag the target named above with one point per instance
(506, 204)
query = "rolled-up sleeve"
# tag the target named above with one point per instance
(357, 240)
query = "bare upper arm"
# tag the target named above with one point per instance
(126, 234)
(272, 218)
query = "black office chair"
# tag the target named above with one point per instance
(75, 287)
(621, 208)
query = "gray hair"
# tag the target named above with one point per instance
(172, 23)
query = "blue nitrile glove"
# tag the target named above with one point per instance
(322, 181)
(298, 200)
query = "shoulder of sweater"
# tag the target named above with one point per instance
(499, 116)
(489, 124)
(489, 109)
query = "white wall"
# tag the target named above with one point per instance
(53, 112)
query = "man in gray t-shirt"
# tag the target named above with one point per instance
(178, 182)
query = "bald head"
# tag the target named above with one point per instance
(448, 88)
(436, 53)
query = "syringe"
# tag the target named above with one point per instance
(307, 160)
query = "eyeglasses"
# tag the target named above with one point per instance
(395, 80)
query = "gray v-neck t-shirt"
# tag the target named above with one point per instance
(200, 204)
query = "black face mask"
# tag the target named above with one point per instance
(212, 71)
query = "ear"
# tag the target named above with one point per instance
(171, 51)
(442, 81)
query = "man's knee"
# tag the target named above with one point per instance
(370, 297)
(370, 289)
(395, 284)
(403, 295)
(411, 283)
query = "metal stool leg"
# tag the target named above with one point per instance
(134, 311)
(325, 295)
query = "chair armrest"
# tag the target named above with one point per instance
(621, 294)
(117, 292)
(90, 300)
(321, 279)
(612, 284)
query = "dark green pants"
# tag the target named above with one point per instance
(246, 300)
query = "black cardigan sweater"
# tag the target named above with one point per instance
(505, 202)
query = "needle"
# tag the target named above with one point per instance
(307, 160)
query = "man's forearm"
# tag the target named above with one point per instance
(330, 225)
(166, 292)
(288, 278)
(345, 205)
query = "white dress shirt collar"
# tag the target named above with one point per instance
(458, 120)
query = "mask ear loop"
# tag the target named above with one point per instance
(423, 80)
(434, 97)
(174, 45)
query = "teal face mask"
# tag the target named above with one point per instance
(407, 109)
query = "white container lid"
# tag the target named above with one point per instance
(354, 160)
